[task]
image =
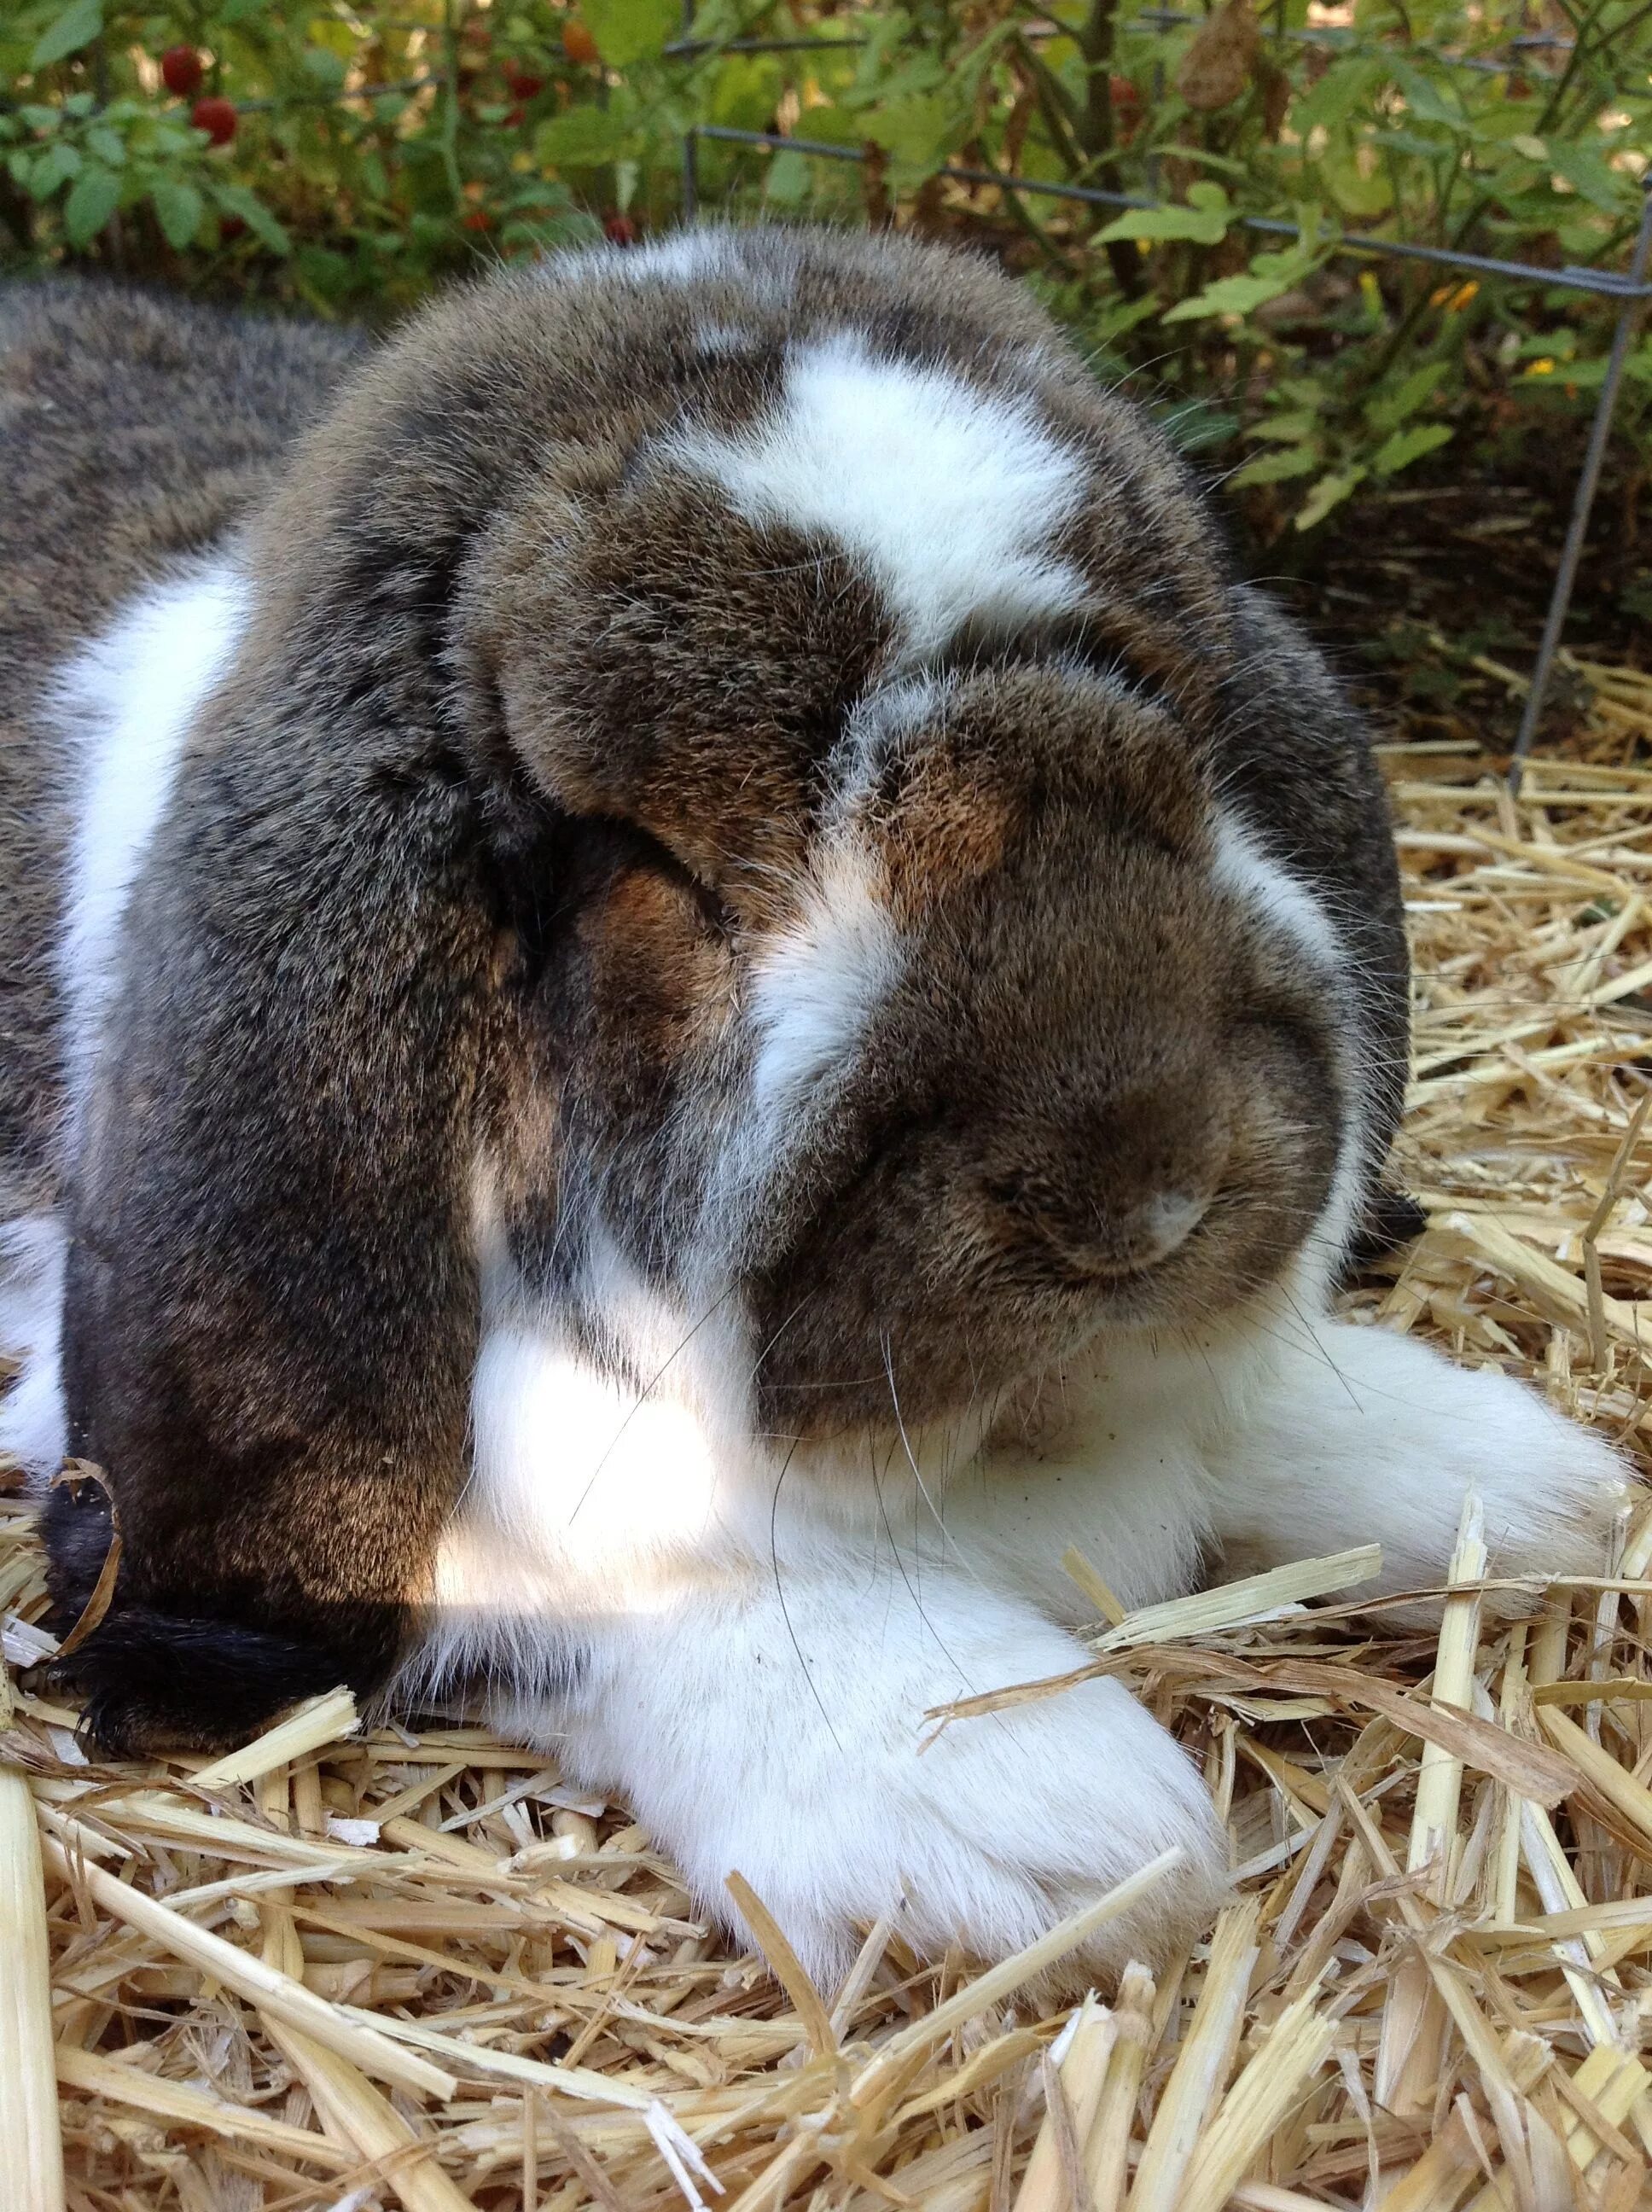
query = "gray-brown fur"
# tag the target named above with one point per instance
(134, 430)
(473, 854)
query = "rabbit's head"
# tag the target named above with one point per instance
(896, 980)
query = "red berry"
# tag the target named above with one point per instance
(476, 218)
(181, 71)
(230, 228)
(620, 230)
(1126, 106)
(217, 118)
(577, 42)
(522, 83)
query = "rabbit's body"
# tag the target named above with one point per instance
(712, 990)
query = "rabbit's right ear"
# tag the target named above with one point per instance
(271, 1303)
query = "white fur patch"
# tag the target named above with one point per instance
(700, 255)
(588, 1498)
(776, 1727)
(575, 1470)
(126, 705)
(34, 1422)
(820, 981)
(1250, 874)
(123, 706)
(626, 1572)
(950, 497)
(682, 256)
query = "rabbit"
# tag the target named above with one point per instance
(686, 981)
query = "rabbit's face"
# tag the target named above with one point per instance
(939, 1031)
(1025, 1065)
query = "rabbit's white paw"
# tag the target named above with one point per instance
(1551, 1489)
(1005, 1825)
(801, 1766)
(1381, 1438)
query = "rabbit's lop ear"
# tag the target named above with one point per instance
(282, 985)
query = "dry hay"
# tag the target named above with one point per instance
(360, 1970)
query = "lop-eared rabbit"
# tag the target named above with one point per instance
(684, 982)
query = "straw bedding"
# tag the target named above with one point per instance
(374, 1968)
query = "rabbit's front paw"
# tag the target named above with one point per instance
(819, 1788)
(1381, 1438)
(1550, 1489)
(1007, 1824)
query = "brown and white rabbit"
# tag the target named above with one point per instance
(678, 994)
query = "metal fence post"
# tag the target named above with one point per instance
(690, 135)
(1605, 408)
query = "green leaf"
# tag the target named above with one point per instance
(59, 162)
(89, 206)
(788, 182)
(918, 132)
(236, 199)
(1123, 315)
(583, 138)
(1286, 429)
(1270, 275)
(108, 145)
(1586, 171)
(338, 37)
(1406, 447)
(1231, 295)
(1275, 468)
(1389, 409)
(1344, 86)
(628, 31)
(77, 26)
(1554, 345)
(325, 67)
(1425, 100)
(178, 208)
(1329, 492)
(1205, 219)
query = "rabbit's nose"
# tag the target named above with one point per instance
(1113, 1190)
(1114, 1241)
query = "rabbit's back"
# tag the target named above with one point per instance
(134, 433)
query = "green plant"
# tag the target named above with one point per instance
(376, 148)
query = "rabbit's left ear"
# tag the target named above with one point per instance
(271, 1307)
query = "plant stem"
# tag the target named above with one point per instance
(1093, 128)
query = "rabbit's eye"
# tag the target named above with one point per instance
(1077, 639)
(634, 847)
